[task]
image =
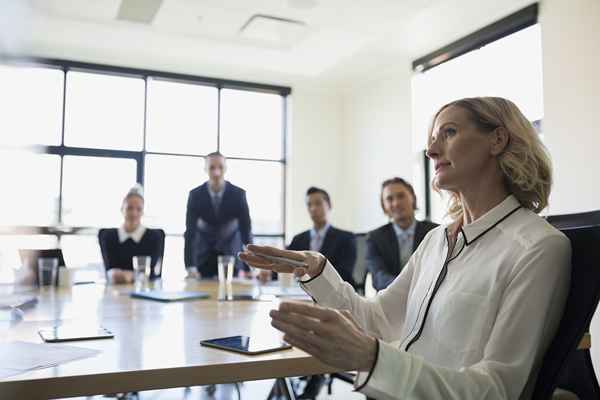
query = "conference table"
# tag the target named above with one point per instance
(156, 345)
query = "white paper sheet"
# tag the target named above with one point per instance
(18, 357)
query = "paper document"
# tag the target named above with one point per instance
(17, 301)
(19, 357)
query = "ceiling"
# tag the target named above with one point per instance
(332, 41)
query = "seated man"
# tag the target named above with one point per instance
(333, 243)
(390, 246)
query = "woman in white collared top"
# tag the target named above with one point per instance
(477, 305)
(119, 245)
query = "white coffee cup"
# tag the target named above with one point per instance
(65, 277)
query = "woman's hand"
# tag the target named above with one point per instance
(120, 276)
(330, 335)
(312, 261)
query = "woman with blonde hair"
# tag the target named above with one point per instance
(472, 313)
(120, 245)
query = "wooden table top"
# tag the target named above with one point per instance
(156, 345)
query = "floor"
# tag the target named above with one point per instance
(256, 390)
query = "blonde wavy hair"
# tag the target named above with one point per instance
(525, 162)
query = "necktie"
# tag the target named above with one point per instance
(405, 245)
(217, 203)
(315, 243)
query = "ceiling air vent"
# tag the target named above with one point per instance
(140, 11)
(274, 31)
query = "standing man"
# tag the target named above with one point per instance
(217, 221)
(390, 246)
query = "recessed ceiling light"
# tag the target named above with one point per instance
(303, 4)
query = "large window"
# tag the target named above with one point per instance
(509, 67)
(75, 137)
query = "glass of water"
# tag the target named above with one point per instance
(141, 270)
(47, 270)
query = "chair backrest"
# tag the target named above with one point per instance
(360, 268)
(104, 231)
(579, 220)
(29, 258)
(581, 304)
(162, 235)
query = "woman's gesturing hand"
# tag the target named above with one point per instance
(311, 262)
(330, 335)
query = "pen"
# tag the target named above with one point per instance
(284, 260)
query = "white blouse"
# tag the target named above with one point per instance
(474, 327)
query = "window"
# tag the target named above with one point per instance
(182, 118)
(166, 198)
(264, 192)
(123, 126)
(93, 190)
(251, 124)
(509, 67)
(31, 185)
(31, 102)
(104, 111)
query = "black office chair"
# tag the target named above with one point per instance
(101, 239)
(29, 258)
(566, 365)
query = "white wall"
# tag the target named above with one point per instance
(377, 143)
(315, 153)
(571, 59)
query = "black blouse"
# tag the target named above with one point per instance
(119, 255)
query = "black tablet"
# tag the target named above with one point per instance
(245, 345)
(71, 333)
(159, 295)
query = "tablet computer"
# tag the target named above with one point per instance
(71, 333)
(246, 345)
(165, 296)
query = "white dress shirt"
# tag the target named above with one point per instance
(317, 237)
(482, 336)
(136, 235)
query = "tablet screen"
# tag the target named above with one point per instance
(68, 333)
(246, 344)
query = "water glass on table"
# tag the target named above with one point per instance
(141, 270)
(47, 270)
(225, 265)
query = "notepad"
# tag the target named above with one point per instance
(18, 357)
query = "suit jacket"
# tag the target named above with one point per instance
(338, 246)
(208, 233)
(383, 252)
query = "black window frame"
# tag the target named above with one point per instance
(61, 150)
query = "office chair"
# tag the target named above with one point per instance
(29, 258)
(567, 365)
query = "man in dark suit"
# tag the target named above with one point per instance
(337, 245)
(217, 221)
(390, 246)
